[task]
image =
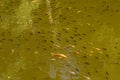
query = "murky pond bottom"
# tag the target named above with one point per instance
(59, 40)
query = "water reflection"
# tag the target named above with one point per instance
(52, 71)
(65, 69)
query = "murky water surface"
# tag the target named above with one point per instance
(59, 40)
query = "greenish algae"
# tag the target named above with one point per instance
(30, 30)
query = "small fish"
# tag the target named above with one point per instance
(98, 49)
(59, 55)
(87, 78)
(71, 46)
(76, 52)
(56, 46)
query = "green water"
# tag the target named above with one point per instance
(30, 30)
